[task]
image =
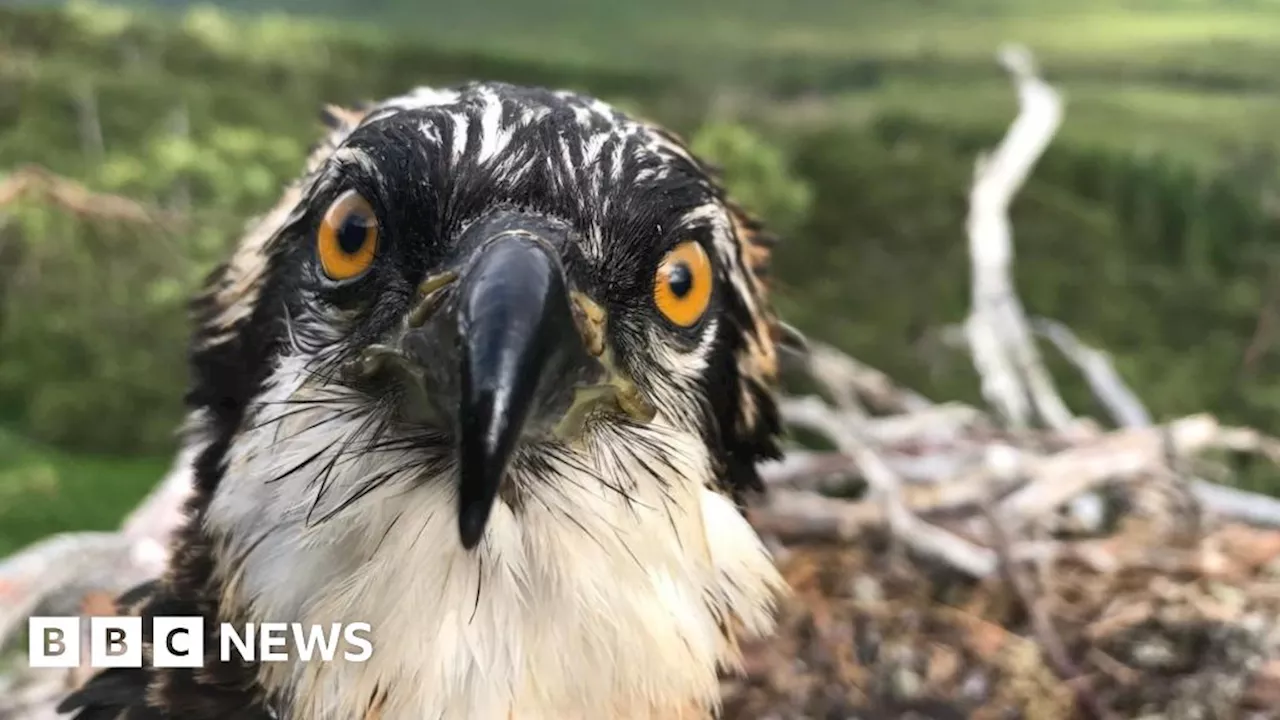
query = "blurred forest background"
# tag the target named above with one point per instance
(1151, 226)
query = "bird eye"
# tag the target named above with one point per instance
(682, 288)
(348, 237)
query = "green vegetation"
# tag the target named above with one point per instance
(1157, 73)
(1148, 228)
(44, 490)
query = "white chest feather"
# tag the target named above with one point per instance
(604, 594)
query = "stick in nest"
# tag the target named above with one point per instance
(1042, 625)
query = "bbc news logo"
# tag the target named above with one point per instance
(178, 641)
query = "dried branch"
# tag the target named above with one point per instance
(1121, 402)
(959, 471)
(1240, 505)
(1046, 634)
(32, 183)
(1126, 453)
(887, 491)
(997, 330)
(812, 471)
(852, 383)
(798, 516)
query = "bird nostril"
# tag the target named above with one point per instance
(371, 361)
(590, 319)
(431, 296)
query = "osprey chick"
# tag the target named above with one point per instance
(489, 378)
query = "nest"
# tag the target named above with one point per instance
(1009, 598)
(870, 634)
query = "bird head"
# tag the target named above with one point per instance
(501, 354)
(489, 273)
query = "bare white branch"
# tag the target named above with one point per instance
(1124, 406)
(887, 492)
(1014, 379)
(1125, 453)
(853, 384)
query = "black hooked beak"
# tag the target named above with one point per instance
(499, 359)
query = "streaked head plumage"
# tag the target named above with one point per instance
(490, 377)
(641, 231)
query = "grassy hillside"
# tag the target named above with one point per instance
(1136, 69)
(1188, 76)
(852, 126)
(1132, 30)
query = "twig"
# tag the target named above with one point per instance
(1041, 624)
(828, 367)
(34, 183)
(1108, 387)
(1125, 453)
(1124, 406)
(943, 423)
(935, 424)
(851, 381)
(999, 339)
(1045, 632)
(887, 490)
(953, 477)
(1235, 504)
(1248, 440)
(807, 470)
(797, 516)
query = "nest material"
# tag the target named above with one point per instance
(944, 567)
(1164, 617)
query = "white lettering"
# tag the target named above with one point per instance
(315, 637)
(54, 642)
(365, 645)
(244, 644)
(273, 636)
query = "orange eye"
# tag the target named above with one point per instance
(682, 288)
(348, 237)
